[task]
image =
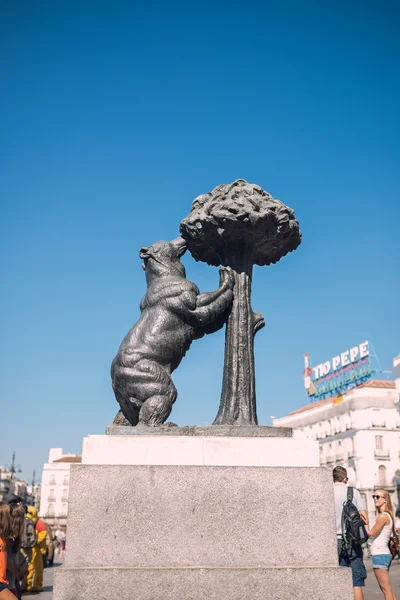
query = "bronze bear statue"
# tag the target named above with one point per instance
(173, 314)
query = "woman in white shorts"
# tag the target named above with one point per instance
(379, 540)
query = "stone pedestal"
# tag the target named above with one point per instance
(199, 528)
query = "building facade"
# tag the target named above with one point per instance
(10, 482)
(396, 373)
(359, 431)
(55, 487)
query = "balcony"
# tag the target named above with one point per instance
(51, 499)
(330, 459)
(383, 484)
(378, 423)
(382, 453)
(351, 454)
(64, 499)
(340, 456)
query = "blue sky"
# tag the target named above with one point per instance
(115, 116)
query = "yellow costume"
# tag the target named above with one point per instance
(35, 568)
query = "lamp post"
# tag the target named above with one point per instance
(13, 469)
(33, 487)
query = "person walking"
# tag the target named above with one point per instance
(397, 529)
(63, 540)
(349, 555)
(380, 535)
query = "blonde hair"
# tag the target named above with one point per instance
(389, 507)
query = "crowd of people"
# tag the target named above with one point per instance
(27, 546)
(353, 529)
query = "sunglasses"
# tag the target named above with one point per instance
(376, 496)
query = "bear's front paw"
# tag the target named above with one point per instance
(227, 277)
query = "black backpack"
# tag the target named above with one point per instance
(29, 534)
(353, 528)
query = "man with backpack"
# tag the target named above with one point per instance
(351, 518)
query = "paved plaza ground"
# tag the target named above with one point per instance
(371, 591)
(48, 577)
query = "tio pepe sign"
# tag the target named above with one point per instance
(340, 361)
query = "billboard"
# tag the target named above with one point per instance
(341, 372)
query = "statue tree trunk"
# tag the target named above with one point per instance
(238, 397)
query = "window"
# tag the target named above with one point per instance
(52, 480)
(50, 510)
(382, 475)
(379, 442)
(64, 509)
(65, 482)
(378, 418)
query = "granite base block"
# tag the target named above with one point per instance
(313, 583)
(191, 516)
(200, 532)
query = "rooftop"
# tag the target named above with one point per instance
(374, 383)
(68, 459)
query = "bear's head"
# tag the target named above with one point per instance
(163, 259)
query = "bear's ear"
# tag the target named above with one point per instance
(144, 252)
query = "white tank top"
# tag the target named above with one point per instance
(380, 542)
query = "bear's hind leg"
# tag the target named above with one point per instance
(156, 409)
(130, 408)
(145, 393)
